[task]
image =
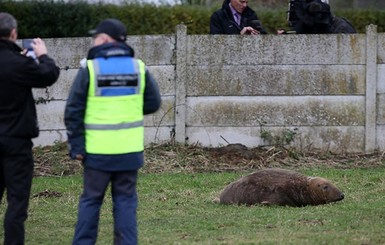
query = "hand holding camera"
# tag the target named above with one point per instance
(248, 30)
(34, 47)
(253, 27)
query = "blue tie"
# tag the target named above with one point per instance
(237, 18)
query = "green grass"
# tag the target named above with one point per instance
(179, 208)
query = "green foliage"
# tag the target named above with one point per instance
(48, 19)
(273, 19)
(75, 18)
(360, 18)
(282, 138)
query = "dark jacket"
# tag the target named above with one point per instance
(341, 25)
(76, 106)
(334, 26)
(222, 21)
(315, 17)
(18, 75)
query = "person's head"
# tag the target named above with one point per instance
(109, 30)
(310, 17)
(239, 5)
(8, 27)
(319, 12)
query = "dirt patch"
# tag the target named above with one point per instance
(46, 194)
(237, 157)
(54, 160)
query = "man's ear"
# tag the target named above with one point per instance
(13, 35)
(102, 39)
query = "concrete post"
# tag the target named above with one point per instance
(180, 84)
(371, 88)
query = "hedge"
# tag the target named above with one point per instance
(74, 19)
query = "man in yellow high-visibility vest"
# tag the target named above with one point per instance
(104, 119)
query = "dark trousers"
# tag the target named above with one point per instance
(124, 198)
(16, 170)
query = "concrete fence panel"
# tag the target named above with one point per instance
(220, 89)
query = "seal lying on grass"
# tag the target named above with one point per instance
(280, 187)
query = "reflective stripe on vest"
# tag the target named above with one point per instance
(115, 126)
(114, 113)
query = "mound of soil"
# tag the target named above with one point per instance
(54, 160)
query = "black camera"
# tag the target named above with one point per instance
(256, 25)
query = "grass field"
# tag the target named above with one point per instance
(177, 191)
(179, 208)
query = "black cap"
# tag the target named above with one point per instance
(112, 27)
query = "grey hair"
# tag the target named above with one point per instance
(7, 24)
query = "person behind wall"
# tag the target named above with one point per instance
(18, 122)
(104, 121)
(315, 17)
(341, 25)
(235, 17)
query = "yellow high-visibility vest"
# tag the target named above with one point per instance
(114, 113)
